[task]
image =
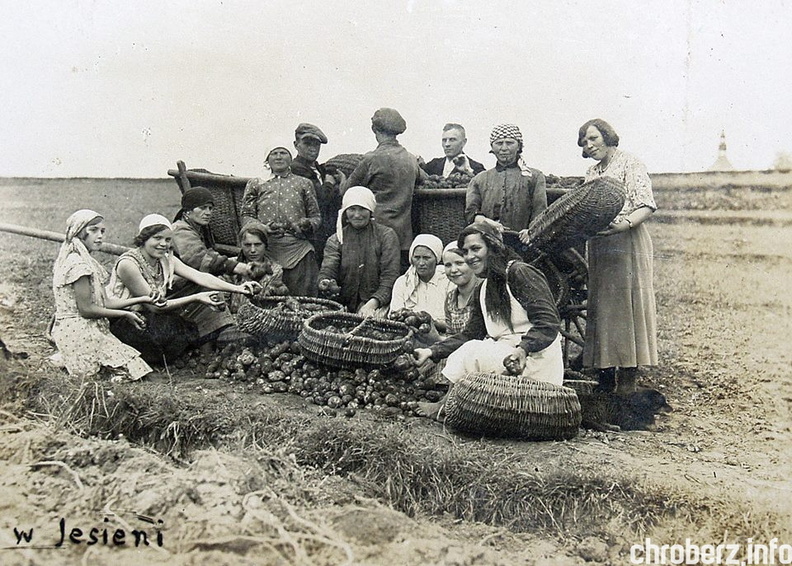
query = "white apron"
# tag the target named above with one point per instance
(486, 356)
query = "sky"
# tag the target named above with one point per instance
(125, 89)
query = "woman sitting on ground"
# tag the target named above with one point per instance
(460, 299)
(514, 324)
(424, 287)
(263, 269)
(362, 257)
(82, 309)
(150, 268)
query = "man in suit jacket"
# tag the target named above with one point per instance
(455, 160)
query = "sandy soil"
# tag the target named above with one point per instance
(725, 322)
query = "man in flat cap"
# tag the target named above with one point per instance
(308, 140)
(391, 173)
(511, 194)
(455, 160)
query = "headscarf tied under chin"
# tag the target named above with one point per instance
(511, 131)
(168, 268)
(354, 196)
(411, 278)
(61, 273)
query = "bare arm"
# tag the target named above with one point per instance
(89, 309)
(208, 280)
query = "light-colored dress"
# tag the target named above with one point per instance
(621, 327)
(86, 344)
(487, 355)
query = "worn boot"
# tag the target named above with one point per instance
(627, 381)
(607, 380)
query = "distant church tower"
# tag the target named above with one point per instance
(722, 163)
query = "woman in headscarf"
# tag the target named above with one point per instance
(511, 194)
(424, 287)
(286, 204)
(362, 257)
(82, 309)
(514, 326)
(198, 317)
(621, 320)
(193, 240)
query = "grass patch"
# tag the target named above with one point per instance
(400, 465)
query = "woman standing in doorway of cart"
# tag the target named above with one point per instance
(621, 322)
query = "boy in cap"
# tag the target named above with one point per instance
(391, 173)
(308, 140)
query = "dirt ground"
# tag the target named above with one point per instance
(724, 326)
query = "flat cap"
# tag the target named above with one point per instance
(388, 120)
(309, 130)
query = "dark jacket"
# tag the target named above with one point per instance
(435, 166)
(328, 197)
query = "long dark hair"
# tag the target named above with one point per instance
(497, 298)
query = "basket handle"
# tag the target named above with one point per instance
(360, 325)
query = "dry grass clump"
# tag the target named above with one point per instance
(394, 462)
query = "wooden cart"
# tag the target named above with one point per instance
(435, 211)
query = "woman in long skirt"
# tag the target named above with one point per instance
(621, 323)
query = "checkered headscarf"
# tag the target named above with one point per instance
(506, 131)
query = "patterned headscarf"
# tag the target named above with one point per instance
(506, 131)
(76, 223)
(354, 196)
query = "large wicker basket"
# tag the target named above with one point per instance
(351, 349)
(267, 317)
(344, 162)
(575, 217)
(512, 407)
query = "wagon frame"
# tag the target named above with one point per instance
(435, 211)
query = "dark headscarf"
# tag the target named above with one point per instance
(196, 196)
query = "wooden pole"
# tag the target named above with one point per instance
(114, 249)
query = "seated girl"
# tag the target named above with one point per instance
(82, 309)
(362, 257)
(151, 267)
(460, 299)
(424, 287)
(262, 268)
(514, 326)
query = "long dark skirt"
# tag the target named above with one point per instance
(165, 337)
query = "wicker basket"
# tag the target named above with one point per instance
(349, 349)
(266, 317)
(344, 162)
(512, 407)
(575, 217)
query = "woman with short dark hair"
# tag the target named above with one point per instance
(621, 320)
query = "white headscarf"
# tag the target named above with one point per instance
(166, 262)
(76, 223)
(428, 241)
(354, 196)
